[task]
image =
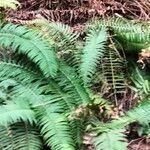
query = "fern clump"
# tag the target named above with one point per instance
(47, 95)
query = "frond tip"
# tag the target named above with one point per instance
(93, 50)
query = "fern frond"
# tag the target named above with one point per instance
(29, 42)
(77, 129)
(14, 4)
(142, 84)
(59, 96)
(55, 128)
(111, 140)
(20, 136)
(61, 34)
(112, 65)
(92, 52)
(71, 84)
(139, 114)
(50, 116)
(134, 41)
(15, 112)
(10, 69)
(133, 35)
(120, 25)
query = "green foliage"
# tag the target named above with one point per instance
(20, 136)
(30, 43)
(111, 140)
(39, 87)
(142, 82)
(92, 52)
(138, 114)
(132, 35)
(14, 112)
(55, 128)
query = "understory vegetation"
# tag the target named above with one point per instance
(62, 90)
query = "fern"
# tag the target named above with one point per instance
(9, 3)
(23, 40)
(73, 85)
(112, 65)
(55, 128)
(20, 136)
(138, 114)
(93, 50)
(133, 36)
(62, 35)
(142, 83)
(12, 113)
(111, 140)
(78, 130)
(46, 94)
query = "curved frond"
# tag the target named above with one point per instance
(15, 112)
(78, 130)
(133, 35)
(59, 96)
(29, 42)
(62, 34)
(10, 69)
(92, 52)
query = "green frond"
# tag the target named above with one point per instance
(92, 52)
(21, 73)
(60, 36)
(60, 33)
(50, 116)
(120, 24)
(55, 128)
(134, 41)
(59, 96)
(78, 130)
(142, 84)
(70, 83)
(31, 43)
(9, 4)
(141, 113)
(110, 140)
(20, 136)
(133, 35)
(15, 112)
